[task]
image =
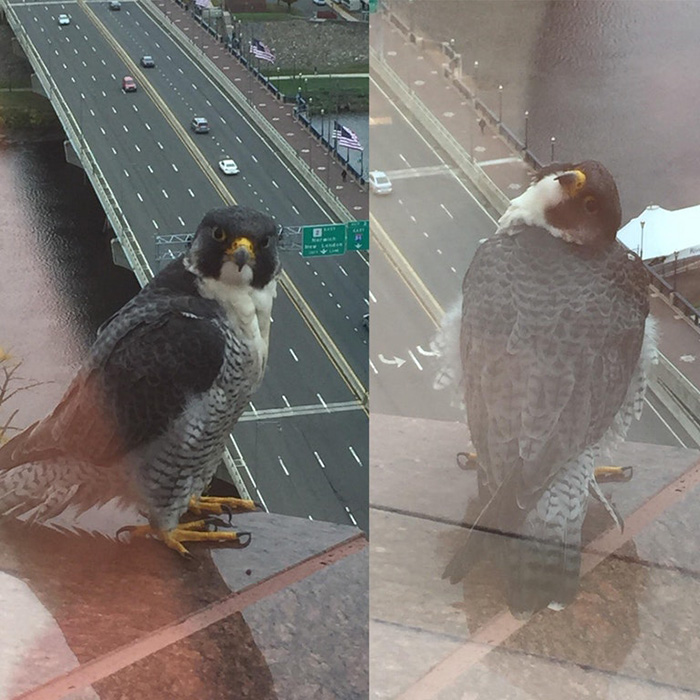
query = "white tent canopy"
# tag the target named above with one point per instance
(665, 233)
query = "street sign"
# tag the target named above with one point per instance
(372, 5)
(324, 239)
(358, 235)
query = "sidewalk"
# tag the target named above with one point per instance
(423, 72)
(278, 114)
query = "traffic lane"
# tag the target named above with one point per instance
(256, 158)
(437, 245)
(298, 466)
(113, 120)
(402, 364)
(394, 142)
(299, 371)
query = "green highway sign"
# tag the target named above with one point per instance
(372, 5)
(358, 235)
(324, 239)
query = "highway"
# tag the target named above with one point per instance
(165, 178)
(433, 224)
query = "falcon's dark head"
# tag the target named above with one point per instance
(237, 246)
(576, 202)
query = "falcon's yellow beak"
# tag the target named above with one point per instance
(241, 250)
(572, 182)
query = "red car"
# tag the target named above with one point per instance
(128, 84)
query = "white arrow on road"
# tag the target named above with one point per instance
(427, 353)
(396, 361)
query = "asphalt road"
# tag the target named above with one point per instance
(436, 224)
(163, 189)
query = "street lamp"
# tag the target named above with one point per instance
(641, 240)
(500, 103)
(322, 123)
(527, 114)
(476, 78)
(552, 142)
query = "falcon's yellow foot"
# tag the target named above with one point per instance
(194, 531)
(467, 460)
(219, 505)
(606, 474)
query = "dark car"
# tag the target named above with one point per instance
(115, 5)
(128, 84)
(147, 61)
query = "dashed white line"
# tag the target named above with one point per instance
(191, 192)
(342, 269)
(354, 522)
(323, 403)
(415, 359)
(372, 367)
(286, 402)
(182, 223)
(253, 157)
(293, 354)
(284, 468)
(165, 194)
(114, 150)
(155, 223)
(175, 167)
(136, 146)
(150, 169)
(319, 460)
(447, 211)
(126, 172)
(275, 184)
(138, 194)
(354, 454)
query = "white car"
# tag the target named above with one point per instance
(63, 20)
(228, 167)
(379, 183)
(319, 2)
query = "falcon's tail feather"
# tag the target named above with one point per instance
(39, 491)
(543, 565)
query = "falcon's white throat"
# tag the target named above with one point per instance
(248, 310)
(531, 206)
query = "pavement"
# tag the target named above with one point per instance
(280, 115)
(633, 629)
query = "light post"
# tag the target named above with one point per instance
(552, 142)
(476, 79)
(322, 124)
(527, 114)
(500, 104)
(641, 240)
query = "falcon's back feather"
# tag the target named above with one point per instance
(551, 337)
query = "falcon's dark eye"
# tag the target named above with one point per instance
(265, 242)
(590, 204)
(218, 234)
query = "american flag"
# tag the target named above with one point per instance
(346, 137)
(259, 50)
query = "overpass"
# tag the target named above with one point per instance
(302, 448)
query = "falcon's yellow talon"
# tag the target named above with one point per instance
(608, 473)
(219, 505)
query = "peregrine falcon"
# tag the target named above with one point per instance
(554, 360)
(147, 416)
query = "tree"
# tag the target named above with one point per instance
(289, 4)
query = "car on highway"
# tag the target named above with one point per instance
(379, 183)
(199, 125)
(63, 20)
(128, 84)
(228, 166)
(147, 62)
(319, 2)
(115, 5)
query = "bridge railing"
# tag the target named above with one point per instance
(114, 213)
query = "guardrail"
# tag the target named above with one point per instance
(113, 211)
(255, 116)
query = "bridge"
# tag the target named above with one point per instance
(302, 447)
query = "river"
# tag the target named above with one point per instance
(57, 280)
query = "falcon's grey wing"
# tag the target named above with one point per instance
(548, 352)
